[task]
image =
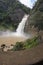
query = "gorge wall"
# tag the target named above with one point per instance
(11, 13)
(35, 20)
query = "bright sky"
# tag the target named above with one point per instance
(28, 3)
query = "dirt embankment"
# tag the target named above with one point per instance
(24, 57)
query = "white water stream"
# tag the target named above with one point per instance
(20, 29)
(21, 25)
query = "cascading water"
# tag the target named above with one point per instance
(21, 25)
(20, 29)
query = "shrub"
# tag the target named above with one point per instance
(18, 46)
(31, 43)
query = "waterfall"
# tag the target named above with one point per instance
(20, 28)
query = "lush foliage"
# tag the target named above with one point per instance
(11, 13)
(31, 43)
(37, 15)
(18, 46)
(27, 44)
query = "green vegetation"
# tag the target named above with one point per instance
(36, 16)
(18, 46)
(11, 10)
(11, 13)
(30, 43)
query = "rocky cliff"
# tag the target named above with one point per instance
(35, 20)
(11, 13)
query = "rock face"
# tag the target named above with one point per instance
(35, 20)
(11, 13)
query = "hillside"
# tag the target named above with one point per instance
(11, 13)
(35, 19)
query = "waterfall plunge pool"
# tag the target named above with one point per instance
(9, 37)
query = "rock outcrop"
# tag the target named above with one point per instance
(11, 13)
(35, 20)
